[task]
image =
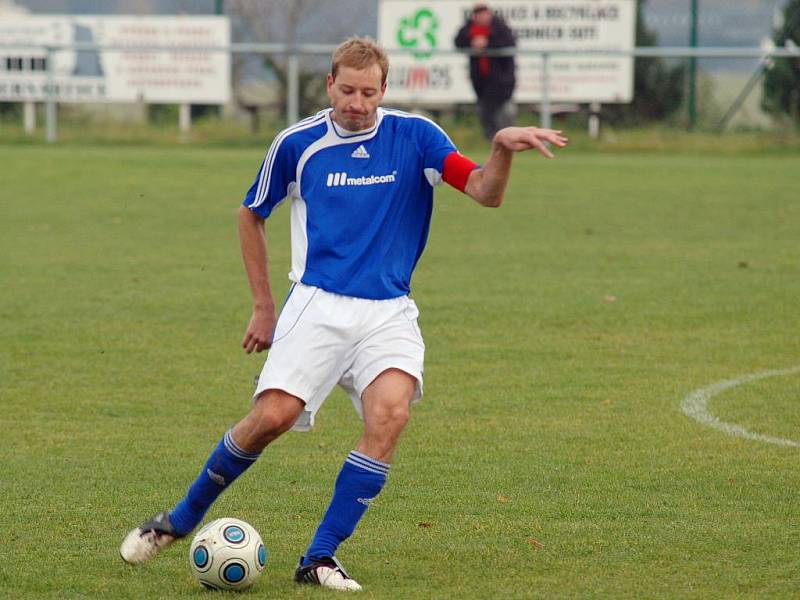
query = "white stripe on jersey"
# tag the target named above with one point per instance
(332, 138)
(406, 115)
(266, 168)
(299, 238)
(299, 218)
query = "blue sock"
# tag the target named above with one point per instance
(225, 464)
(359, 481)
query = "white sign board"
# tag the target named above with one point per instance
(111, 75)
(423, 77)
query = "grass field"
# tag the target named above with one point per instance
(550, 457)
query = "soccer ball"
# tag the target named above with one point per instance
(227, 554)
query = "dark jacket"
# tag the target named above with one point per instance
(498, 84)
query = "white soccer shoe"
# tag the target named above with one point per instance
(326, 572)
(147, 540)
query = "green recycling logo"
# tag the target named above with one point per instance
(418, 31)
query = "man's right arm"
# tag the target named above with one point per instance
(253, 241)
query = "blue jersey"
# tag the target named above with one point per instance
(361, 202)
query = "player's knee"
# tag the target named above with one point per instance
(272, 417)
(394, 416)
(273, 423)
(401, 414)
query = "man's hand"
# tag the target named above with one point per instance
(479, 42)
(488, 185)
(259, 332)
(518, 139)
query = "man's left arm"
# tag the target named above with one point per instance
(487, 185)
(501, 35)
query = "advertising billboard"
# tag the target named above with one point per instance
(420, 75)
(107, 75)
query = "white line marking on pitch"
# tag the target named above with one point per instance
(695, 405)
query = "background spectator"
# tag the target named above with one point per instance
(493, 77)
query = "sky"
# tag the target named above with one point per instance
(722, 22)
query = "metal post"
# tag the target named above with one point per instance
(740, 99)
(693, 69)
(50, 112)
(185, 117)
(545, 117)
(594, 120)
(29, 117)
(293, 88)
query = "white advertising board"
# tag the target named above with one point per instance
(423, 77)
(111, 75)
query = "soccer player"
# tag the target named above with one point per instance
(360, 181)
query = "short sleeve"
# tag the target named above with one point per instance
(274, 179)
(435, 146)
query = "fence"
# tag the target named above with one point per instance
(294, 53)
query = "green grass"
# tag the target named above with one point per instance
(549, 458)
(80, 129)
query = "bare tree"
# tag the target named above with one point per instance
(296, 22)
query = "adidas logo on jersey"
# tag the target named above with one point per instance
(360, 152)
(338, 179)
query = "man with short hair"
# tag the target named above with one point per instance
(360, 181)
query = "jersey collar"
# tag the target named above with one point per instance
(344, 133)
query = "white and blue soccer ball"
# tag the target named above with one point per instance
(227, 554)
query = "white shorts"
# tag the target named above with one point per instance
(322, 339)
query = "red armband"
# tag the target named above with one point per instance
(456, 170)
